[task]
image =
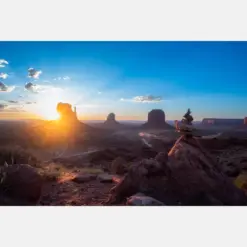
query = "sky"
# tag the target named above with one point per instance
(127, 78)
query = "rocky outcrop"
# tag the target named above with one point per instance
(20, 185)
(186, 176)
(66, 113)
(156, 120)
(118, 166)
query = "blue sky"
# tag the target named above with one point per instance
(127, 78)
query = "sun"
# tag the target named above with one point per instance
(46, 103)
(47, 111)
(50, 114)
(46, 107)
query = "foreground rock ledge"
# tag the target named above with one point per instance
(187, 176)
(21, 185)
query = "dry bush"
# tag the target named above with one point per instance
(16, 155)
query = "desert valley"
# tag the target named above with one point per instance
(69, 162)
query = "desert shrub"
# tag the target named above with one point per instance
(16, 155)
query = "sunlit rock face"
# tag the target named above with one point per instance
(66, 113)
(156, 119)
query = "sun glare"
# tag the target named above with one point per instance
(49, 114)
(46, 107)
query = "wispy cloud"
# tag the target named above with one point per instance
(33, 73)
(65, 78)
(5, 88)
(144, 99)
(31, 87)
(37, 88)
(3, 75)
(3, 63)
(99, 92)
(9, 108)
(13, 101)
(2, 107)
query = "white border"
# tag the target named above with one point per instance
(123, 20)
(123, 226)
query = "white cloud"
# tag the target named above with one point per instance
(5, 88)
(33, 73)
(35, 88)
(99, 92)
(13, 101)
(3, 75)
(144, 99)
(11, 108)
(57, 79)
(65, 78)
(3, 63)
(31, 87)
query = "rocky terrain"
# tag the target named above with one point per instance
(189, 173)
(138, 166)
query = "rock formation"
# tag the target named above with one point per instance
(66, 113)
(156, 120)
(187, 175)
(111, 122)
(19, 185)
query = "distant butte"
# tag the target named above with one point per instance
(156, 120)
(111, 121)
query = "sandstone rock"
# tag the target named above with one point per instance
(117, 179)
(111, 122)
(156, 120)
(162, 157)
(111, 117)
(20, 185)
(140, 199)
(191, 177)
(118, 166)
(105, 178)
(83, 178)
(66, 113)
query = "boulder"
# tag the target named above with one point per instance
(20, 185)
(105, 178)
(83, 178)
(189, 177)
(140, 199)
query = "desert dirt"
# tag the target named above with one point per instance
(96, 157)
